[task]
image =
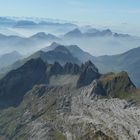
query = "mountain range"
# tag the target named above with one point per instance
(97, 42)
(19, 43)
(67, 92)
(9, 58)
(49, 100)
(27, 26)
(127, 61)
(93, 33)
(101, 42)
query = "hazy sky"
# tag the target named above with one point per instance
(121, 15)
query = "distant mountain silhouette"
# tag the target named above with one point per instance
(74, 33)
(9, 58)
(43, 36)
(76, 51)
(128, 61)
(60, 53)
(91, 32)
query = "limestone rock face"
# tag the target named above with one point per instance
(61, 113)
(110, 116)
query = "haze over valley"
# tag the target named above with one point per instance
(36, 33)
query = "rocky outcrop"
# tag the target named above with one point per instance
(117, 85)
(88, 74)
(94, 90)
(55, 69)
(72, 68)
(111, 85)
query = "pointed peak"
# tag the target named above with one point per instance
(51, 47)
(89, 64)
(39, 34)
(77, 30)
(55, 69)
(58, 47)
(55, 44)
(62, 48)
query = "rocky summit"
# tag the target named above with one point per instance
(64, 113)
(42, 101)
